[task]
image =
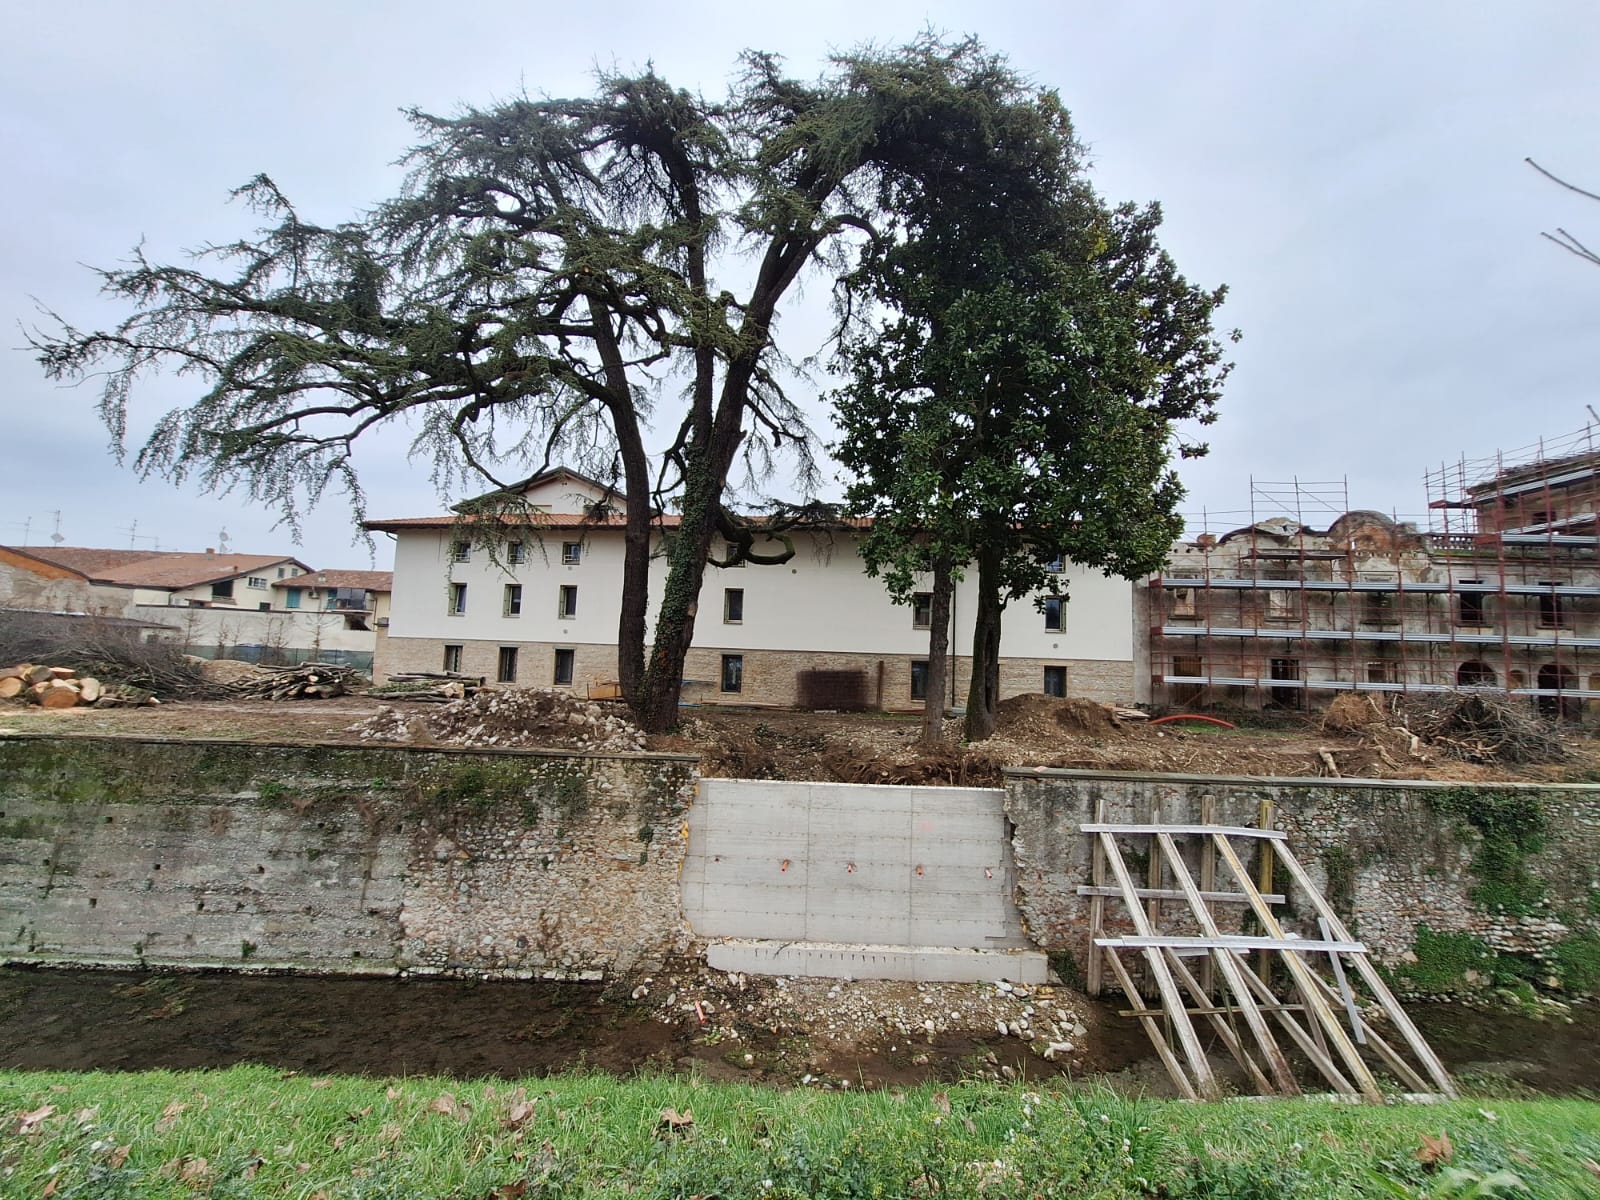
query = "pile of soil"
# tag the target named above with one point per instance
(514, 717)
(1029, 717)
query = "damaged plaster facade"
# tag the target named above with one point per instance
(1501, 595)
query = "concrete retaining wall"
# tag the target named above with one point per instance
(339, 858)
(851, 863)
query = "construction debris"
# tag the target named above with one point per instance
(513, 717)
(1480, 728)
(308, 681)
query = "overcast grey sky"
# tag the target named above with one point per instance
(1353, 172)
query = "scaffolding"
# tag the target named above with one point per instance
(1500, 593)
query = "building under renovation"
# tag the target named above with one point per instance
(1501, 592)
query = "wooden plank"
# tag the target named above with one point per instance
(1200, 1012)
(1200, 830)
(1085, 889)
(1232, 941)
(1264, 819)
(1158, 1039)
(1208, 882)
(1095, 976)
(1226, 963)
(1230, 1039)
(1395, 1061)
(1300, 973)
(1295, 1030)
(1152, 905)
(1374, 981)
(1170, 999)
(1351, 1011)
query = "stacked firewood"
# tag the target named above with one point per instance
(434, 687)
(308, 681)
(51, 687)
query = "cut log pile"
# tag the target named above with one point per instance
(63, 687)
(428, 687)
(308, 681)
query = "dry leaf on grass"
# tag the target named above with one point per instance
(674, 1121)
(1435, 1150)
(520, 1109)
(118, 1156)
(29, 1122)
(169, 1116)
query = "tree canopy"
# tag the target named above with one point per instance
(1017, 397)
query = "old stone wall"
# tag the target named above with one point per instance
(339, 858)
(1451, 886)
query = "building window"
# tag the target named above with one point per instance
(1285, 670)
(452, 659)
(921, 610)
(1377, 608)
(265, 606)
(513, 606)
(732, 606)
(1552, 614)
(516, 553)
(1183, 602)
(223, 590)
(1470, 605)
(1282, 605)
(732, 555)
(458, 599)
(1383, 671)
(564, 658)
(1188, 666)
(291, 598)
(571, 553)
(282, 572)
(919, 679)
(506, 669)
(1055, 681)
(1055, 565)
(1055, 613)
(567, 605)
(460, 551)
(1475, 674)
(259, 582)
(733, 672)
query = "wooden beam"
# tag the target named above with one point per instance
(1302, 975)
(1147, 1018)
(1199, 830)
(1230, 1039)
(1171, 1001)
(1374, 981)
(1095, 976)
(1233, 941)
(1085, 889)
(1228, 965)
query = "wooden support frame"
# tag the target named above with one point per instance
(1220, 995)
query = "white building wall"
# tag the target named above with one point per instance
(821, 600)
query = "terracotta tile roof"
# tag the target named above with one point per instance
(372, 581)
(158, 568)
(542, 520)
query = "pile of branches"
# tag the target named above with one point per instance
(308, 681)
(1481, 728)
(112, 651)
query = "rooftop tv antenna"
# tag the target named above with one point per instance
(56, 536)
(222, 541)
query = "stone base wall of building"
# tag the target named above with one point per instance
(766, 677)
(339, 858)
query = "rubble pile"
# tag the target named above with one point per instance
(900, 1020)
(513, 717)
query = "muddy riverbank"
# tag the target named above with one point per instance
(129, 1021)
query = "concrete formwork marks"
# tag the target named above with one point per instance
(850, 863)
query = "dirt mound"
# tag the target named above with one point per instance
(941, 766)
(229, 670)
(1349, 713)
(513, 717)
(1037, 715)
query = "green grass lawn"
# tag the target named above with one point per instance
(252, 1131)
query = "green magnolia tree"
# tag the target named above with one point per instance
(544, 287)
(1017, 397)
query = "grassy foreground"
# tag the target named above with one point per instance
(251, 1131)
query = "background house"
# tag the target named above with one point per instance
(542, 610)
(214, 604)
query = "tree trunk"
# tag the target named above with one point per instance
(983, 697)
(938, 652)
